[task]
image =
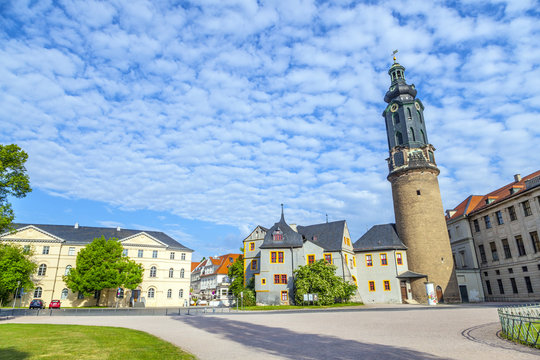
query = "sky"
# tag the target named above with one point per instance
(199, 119)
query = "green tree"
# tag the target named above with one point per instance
(100, 265)
(320, 278)
(236, 274)
(13, 181)
(16, 266)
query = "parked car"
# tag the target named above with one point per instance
(55, 304)
(37, 304)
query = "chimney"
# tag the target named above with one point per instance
(76, 225)
(517, 177)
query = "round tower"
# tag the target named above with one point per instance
(418, 208)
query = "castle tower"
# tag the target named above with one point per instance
(418, 206)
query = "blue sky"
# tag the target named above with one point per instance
(199, 118)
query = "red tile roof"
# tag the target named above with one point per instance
(194, 264)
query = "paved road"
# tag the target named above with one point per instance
(371, 332)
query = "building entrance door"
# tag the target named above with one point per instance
(440, 294)
(135, 296)
(464, 293)
(403, 291)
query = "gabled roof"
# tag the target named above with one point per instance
(86, 234)
(194, 265)
(465, 207)
(290, 237)
(380, 237)
(220, 264)
(329, 236)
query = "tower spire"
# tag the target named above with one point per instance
(282, 215)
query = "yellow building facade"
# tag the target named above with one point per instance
(166, 264)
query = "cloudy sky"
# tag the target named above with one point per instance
(199, 118)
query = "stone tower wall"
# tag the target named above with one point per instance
(421, 226)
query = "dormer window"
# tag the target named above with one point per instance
(277, 235)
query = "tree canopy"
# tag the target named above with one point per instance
(15, 266)
(320, 278)
(236, 274)
(14, 181)
(100, 265)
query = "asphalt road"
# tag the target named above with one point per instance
(371, 332)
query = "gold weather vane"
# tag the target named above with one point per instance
(394, 55)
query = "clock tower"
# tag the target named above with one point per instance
(418, 208)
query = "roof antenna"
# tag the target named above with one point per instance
(282, 216)
(327, 218)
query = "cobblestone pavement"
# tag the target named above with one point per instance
(370, 332)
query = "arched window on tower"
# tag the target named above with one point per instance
(423, 136)
(409, 115)
(399, 138)
(412, 134)
(395, 118)
(419, 115)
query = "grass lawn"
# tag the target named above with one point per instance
(521, 336)
(294, 307)
(29, 341)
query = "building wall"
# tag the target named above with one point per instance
(59, 257)
(252, 253)
(516, 266)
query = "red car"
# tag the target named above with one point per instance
(55, 304)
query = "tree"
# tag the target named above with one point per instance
(13, 181)
(236, 274)
(16, 267)
(100, 265)
(320, 278)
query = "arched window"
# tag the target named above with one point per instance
(169, 293)
(64, 294)
(399, 138)
(182, 273)
(151, 293)
(171, 272)
(423, 136)
(412, 134)
(153, 271)
(181, 293)
(419, 115)
(395, 118)
(277, 235)
(42, 270)
(37, 292)
(68, 270)
(409, 115)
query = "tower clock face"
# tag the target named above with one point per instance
(394, 107)
(417, 105)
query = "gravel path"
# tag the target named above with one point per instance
(370, 332)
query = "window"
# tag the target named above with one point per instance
(276, 257)
(125, 252)
(526, 208)
(371, 285)
(487, 221)
(171, 255)
(154, 254)
(535, 241)
(488, 286)
(524, 269)
(501, 287)
(251, 246)
(254, 264)
(386, 284)
(182, 273)
(283, 278)
(412, 134)
(494, 254)
(520, 246)
(482, 253)
(45, 250)
(384, 261)
(328, 258)
(514, 285)
(497, 272)
(399, 259)
(80, 296)
(418, 192)
(38, 292)
(183, 256)
(71, 251)
(399, 137)
(68, 270)
(169, 293)
(311, 259)
(42, 270)
(369, 260)
(529, 285)
(506, 248)
(140, 253)
(499, 218)
(151, 293)
(280, 278)
(26, 249)
(277, 235)
(354, 261)
(171, 272)
(153, 271)
(263, 281)
(476, 225)
(512, 213)
(64, 294)
(510, 270)
(485, 273)
(181, 293)
(284, 295)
